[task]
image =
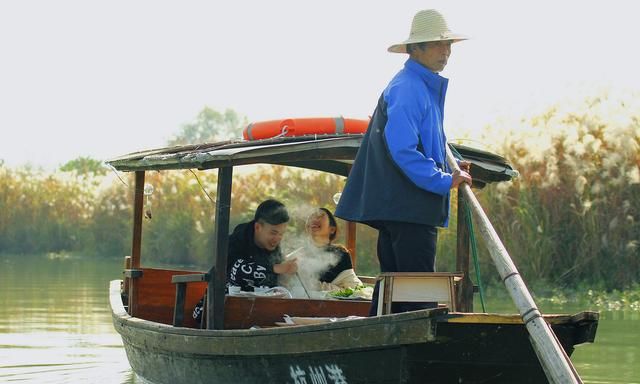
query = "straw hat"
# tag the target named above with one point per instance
(427, 25)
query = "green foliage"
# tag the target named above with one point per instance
(182, 218)
(85, 166)
(211, 126)
(615, 299)
(110, 225)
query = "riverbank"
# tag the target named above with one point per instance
(585, 296)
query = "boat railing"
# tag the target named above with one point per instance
(153, 297)
(181, 293)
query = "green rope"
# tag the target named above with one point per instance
(474, 252)
(472, 240)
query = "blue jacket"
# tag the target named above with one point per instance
(400, 173)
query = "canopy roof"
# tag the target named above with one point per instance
(329, 153)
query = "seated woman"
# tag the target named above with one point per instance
(322, 229)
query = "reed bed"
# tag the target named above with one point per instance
(571, 218)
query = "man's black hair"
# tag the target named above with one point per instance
(413, 46)
(272, 212)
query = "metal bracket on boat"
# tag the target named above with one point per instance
(132, 273)
(194, 277)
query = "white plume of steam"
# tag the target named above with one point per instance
(312, 261)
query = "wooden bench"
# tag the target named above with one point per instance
(181, 294)
(417, 287)
(153, 297)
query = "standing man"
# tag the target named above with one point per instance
(255, 258)
(400, 183)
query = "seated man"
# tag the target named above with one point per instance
(255, 258)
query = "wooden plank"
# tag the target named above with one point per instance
(464, 295)
(157, 296)
(126, 280)
(368, 279)
(190, 278)
(178, 307)
(351, 243)
(136, 242)
(132, 273)
(351, 235)
(138, 205)
(245, 312)
(351, 336)
(215, 298)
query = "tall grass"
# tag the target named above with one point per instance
(42, 212)
(572, 217)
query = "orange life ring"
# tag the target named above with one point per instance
(305, 126)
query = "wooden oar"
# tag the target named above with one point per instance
(557, 366)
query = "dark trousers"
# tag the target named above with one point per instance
(405, 247)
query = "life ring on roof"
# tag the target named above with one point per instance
(304, 127)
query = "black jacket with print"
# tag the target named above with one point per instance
(247, 264)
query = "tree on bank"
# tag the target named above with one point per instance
(210, 126)
(85, 165)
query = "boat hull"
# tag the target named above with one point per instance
(416, 347)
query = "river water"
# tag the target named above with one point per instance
(55, 327)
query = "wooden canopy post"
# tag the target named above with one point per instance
(351, 242)
(557, 366)
(464, 297)
(218, 274)
(136, 244)
(350, 238)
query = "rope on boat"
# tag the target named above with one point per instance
(115, 171)
(474, 252)
(472, 240)
(203, 188)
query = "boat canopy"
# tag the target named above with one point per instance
(328, 153)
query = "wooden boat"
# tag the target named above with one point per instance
(241, 342)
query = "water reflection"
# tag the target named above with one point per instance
(614, 358)
(55, 323)
(55, 327)
(615, 355)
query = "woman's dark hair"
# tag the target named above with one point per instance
(332, 223)
(272, 212)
